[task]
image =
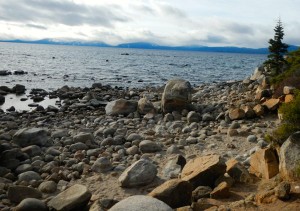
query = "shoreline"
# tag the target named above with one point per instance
(90, 142)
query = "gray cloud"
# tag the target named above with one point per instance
(172, 11)
(36, 26)
(240, 28)
(60, 12)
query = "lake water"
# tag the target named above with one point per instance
(51, 67)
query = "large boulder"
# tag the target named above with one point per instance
(30, 136)
(142, 172)
(121, 107)
(176, 96)
(264, 163)
(204, 170)
(175, 193)
(75, 197)
(139, 202)
(272, 104)
(289, 157)
(237, 171)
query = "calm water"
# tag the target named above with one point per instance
(51, 67)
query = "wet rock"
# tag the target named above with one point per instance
(2, 99)
(30, 136)
(289, 157)
(19, 89)
(140, 202)
(176, 95)
(142, 172)
(264, 163)
(77, 196)
(120, 107)
(31, 204)
(204, 170)
(175, 193)
(17, 193)
(148, 146)
(102, 165)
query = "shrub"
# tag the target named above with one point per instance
(290, 122)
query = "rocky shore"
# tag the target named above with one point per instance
(175, 147)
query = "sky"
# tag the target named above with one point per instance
(241, 23)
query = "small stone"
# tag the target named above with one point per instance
(201, 192)
(17, 193)
(148, 146)
(102, 165)
(28, 176)
(252, 139)
(48, 187)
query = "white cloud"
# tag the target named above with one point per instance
(176, 22)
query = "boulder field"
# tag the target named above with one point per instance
(172, 148)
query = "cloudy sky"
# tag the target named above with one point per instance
(244, 23)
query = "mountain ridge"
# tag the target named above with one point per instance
(147, 45)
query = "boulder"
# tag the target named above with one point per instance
(142, 172)
(86, 138)
(77, 196)
(289, 158)
(120, 107)
(264, 163)
(173, 167)
(17, 193)
(288, 98)
(145, 106)
(176, 95)
(140, 202)
(148, 146)
(237, 171)
(237, 113)
(249, 112)
(272, 104)
(175, 193)
(31, 204)
(257, 73)
(204, 170)
(102, 165)
(30, 136)
(221, 191)
(259, 110)
(28, 176)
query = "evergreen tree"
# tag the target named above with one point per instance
(277, 50)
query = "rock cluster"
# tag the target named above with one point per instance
(183, 147)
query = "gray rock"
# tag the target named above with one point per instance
(30, 136)
(148, 146)
(17, 193)
(23, 168)
(47, 187)
(145, 106)
(134, 136)
(207, 117)
(139, 202)
(59, 133)
(32, 150)
(173, 167)
(252, 139)
(86, 138)
(201, 192)
(176, 95)
(142, 172)
(53, 151)
(77, 196)
(289, 157)
(193, 117)
(102, 165)
(132, 150)
(28, 176)
(120, 107)
(78, 146)
(31, 204)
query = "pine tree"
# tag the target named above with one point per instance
(277, 50)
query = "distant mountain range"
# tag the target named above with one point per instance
(145, 45)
